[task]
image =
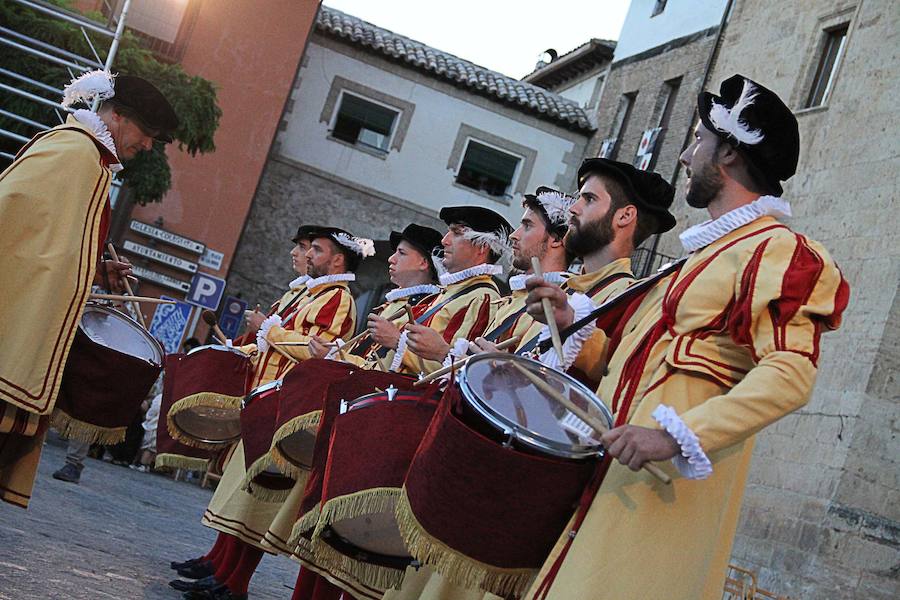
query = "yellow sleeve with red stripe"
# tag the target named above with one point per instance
(330, 315)
(592, 359)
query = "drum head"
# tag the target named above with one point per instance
(209, 424)
(511, 403)
(375, 533)
(112, 329)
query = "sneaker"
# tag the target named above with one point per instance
(140, 468)
(69, 473)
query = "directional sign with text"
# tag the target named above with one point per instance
(169, 323)
(162, 257)
(161, 279)
(206, 291)
(167, 237)
(232, 316)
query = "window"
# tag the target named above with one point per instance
(364, 123)
(832, 50)
(620, 123)
(487, 169)
(658, 7)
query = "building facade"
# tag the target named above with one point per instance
(381, 131)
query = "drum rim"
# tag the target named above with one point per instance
(275, 383)
(202, 439)
(352, 403)
(91, 306)
(521, 434)
(218, 347)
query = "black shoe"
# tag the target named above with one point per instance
(69, 473)
(187, 563)
(191, 586)
(217, 593)
(198, 570)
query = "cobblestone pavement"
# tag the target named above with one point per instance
(111, 536)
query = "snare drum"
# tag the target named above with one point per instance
(209, 387)
(169, 451)
(111, 368)
(498, 474)
(372, 445)
(263, 479)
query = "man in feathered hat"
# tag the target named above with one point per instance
(326, 310)
(722, 347)
(54, 218)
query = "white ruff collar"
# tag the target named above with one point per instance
(92, 121)
(314, 283)
(702, 235)
(482, 269)
(517, 282)
(425, 288)
(298, 282)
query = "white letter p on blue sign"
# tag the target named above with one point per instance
(206, 291)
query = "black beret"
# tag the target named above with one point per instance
(777, 153)
(424, 239)
(147, 103)
(331, 233)
(477, 218)
(646, 189)
(305, 232)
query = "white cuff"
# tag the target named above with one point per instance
(262, 344)
(399, 352)
(338, 344)
(692, 463)
(582, 306)
(229, 343)
(458, 350)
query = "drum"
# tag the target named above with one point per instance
(209, 387)
(112, 365)
(498, 473)
(257, 418)
(169, 451)
(372, 444)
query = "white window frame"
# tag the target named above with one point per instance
(509, 193)
(390, 138)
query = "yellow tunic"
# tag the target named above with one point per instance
(730, 343)
(51, 204)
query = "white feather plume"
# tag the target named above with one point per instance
(556, 205)
(729, 120)
(93, 85)
(362, 246)
(497, 241)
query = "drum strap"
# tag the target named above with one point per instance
(505, 326)
(434, 309)
(308, 302)
(290, 304)
(363, 347)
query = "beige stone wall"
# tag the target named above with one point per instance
(821, 517)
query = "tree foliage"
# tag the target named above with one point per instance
(192, 97)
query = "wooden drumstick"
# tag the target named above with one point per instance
(137, 299)
(511, 342)
(209, 317)
(115, 257)
(329, 344)
(284, 354)
(548, 312)
(592, 422)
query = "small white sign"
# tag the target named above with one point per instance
(160, 257)
(168, 237)
(211, 259)
(161, 279)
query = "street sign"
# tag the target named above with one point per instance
(169, 323)
(206, 291)
(212, 259)
(161, 279)
(167, 236)
(160, 257)
(232, 316)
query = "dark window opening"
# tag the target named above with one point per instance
(658, 7)
(832, 50)
(487, 170)
(364, 123)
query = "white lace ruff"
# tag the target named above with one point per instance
(298, 282)
(477, 270)
(703, 234)
(517, 282)
(262, 343)
(400, 352)
(399, 293)
(692, 463)
(314, 283)
(92, 120)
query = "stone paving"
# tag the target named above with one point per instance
(111, 536)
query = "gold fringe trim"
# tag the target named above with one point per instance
(71, 428)
(300, 544)
(308, 422)
(210, 399)
(264, 494)
(259, 466)
(453, 565)
(348, 507)
(179, 461)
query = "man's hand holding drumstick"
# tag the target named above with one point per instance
(254, 319)
(383, 331)
(538, 289)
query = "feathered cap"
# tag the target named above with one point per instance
(138, 95)
(353, 248)
(553, 207)
(645, 189)
(754, 120)
(485, 227)
(424, 239)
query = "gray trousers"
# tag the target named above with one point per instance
(77, 452)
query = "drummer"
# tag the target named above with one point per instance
(327, 311)
(475, 241)
(413, 268)
(54, 220)
(722, 347)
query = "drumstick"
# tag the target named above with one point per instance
(115, 257)
(548, 313)
(284, 354)
(119, 298)
(330, 344)
(511, 342)
(209, 317)
(593, 422)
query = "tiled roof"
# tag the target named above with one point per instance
(441, 65)
(593, 53)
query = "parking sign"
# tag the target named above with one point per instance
(206, 291)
